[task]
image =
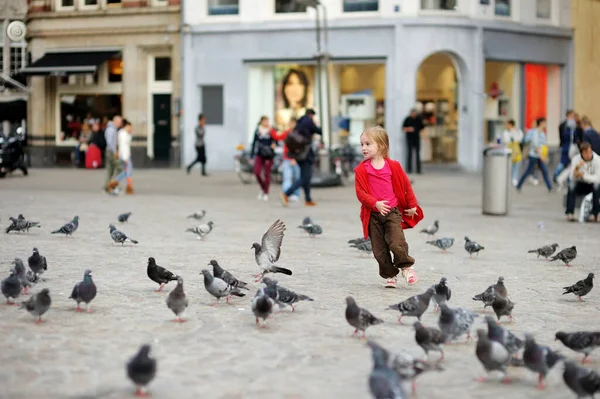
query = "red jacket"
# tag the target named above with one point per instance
(402, 189)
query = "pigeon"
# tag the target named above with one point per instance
(26, 224)
(487, 296)
(431, 230)
(141, 369)
(262, 306)
(84, 291)
(37, 263)
(27, 277)
(582, 287)
(499, 334)
(11, 287)
(123, 217)
(442, 243)
(567, 255)
(583, 341)
(455, 322)
(202, 231)
(197, 215)
(69, 228)
(539, 359)
(364, 246)
(118, 236)
(493, 355)
(177, 301)
(311, 228)
(384, 382)
(224, 275)
(582, 381)
(359, 318)
(472, 247)
(359, 240)
(159, 274)
(219, 288)
(268, 251)
(38, 304)
(546, 251)
(442, 293)
(415, 305)
(429, 338)
(285, 296)
(503, 307)
(16, 225)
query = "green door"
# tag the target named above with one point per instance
(162, 126)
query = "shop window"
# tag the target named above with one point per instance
(543, 9)
(115, 70)
(289, 6)
(66, 4)
(162, 69)
(211, 98)
(223, 7)
(361, 5)
(502, 8)
(76, 109)
(449, 5)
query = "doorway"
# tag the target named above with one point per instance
(162, 126)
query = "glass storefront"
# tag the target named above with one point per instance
(76, 110)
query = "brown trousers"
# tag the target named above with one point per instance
(387, 236)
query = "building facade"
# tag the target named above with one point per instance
(97, 58)
(469, 65)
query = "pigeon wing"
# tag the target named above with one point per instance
(272, 239)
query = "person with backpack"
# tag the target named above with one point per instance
(263, 152)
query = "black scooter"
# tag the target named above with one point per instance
(12, 154)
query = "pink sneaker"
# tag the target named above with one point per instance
(410, 276)
(391, 282)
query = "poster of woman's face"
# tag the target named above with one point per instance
(293, 93)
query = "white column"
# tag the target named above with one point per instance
(515, 99)
(553, 106)
(261, 97)
(324, 95)
(334, 92)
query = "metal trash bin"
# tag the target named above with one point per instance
(496, 181)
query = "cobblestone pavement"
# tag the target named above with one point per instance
(218, 352)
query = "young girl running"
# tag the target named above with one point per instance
(388, 205)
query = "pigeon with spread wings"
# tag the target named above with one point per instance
(268, 251)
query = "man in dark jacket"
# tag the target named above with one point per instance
(306, 127)
(590, 134)
(569, 136)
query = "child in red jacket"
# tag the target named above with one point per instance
(388, 206)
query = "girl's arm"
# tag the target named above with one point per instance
(363, 195)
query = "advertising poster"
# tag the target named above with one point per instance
(294, 92)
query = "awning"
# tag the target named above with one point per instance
(68, 63)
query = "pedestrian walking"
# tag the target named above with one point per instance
(291, 170)
(412, 126)
(200, 132)
(263, 152)
(536, 138)
(111, 160)
(512, 138)
(125, 157)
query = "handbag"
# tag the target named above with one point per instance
(517, 155)
(266, 152)
(543, 152)
(298, 145)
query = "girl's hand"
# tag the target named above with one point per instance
(382, 207)
(411, 212)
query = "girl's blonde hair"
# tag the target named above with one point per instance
(379, 136)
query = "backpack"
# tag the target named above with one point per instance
(298, 145)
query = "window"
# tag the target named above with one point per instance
(162, 69)
(287, 6)
(211, 98)
(115, 70)
(543, 9)
(90, 2)
(449, 5)
(17, 55)
(223, 7)
(76, 108)
(67, 4)
(502, 8)
(111, 3)
(361, 5)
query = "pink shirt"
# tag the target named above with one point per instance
(380, 181)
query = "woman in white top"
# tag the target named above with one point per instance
(512, 139)
(124, 151)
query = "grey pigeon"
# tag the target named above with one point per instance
(503, 306)
(262, 306)
(285, 296)
(203, 230)
(197, 215)
(546, 251)
(84, 291)
(311, 228)
(487, 296)
(124, 217)
(431, 230)
(583, 341)
(26, 224)
(27, 277)
(224, 275)
(415, 305)
(442, 293)
(159, 274)
(567, 255)
(501, 335)
(582, 381)
(118, 236)
(358, 240)
(582, 287)
(384, 382)
(442, 243)
(141, 369)
(539, 359)
(38, 304)
(359, 318)
(16, 225)
(177, 301)
(364, 246)
(69, 228)
(493, 355)
(429, 338)
(11, 287)
(456, 322)
(472, 247)
(219, 288)
(268, 251)
(37, 263)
